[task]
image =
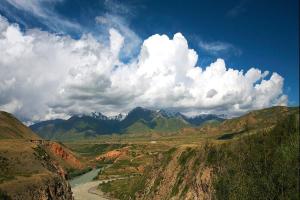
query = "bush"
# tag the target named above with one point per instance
(261, 166)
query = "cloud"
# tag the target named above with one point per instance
(236, 10)
(117, 7)
(216, 48)
(43, 10)
(44, 76)
(211, 93)
(131, 39)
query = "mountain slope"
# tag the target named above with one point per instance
(256, 166)
(32, 168)
(263, 165)
(141, 120)
(201, 119)
(255, 120)
(28, 171)
(138, 121)
(12, 128)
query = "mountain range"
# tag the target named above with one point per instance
(138, 120)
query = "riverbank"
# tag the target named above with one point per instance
(88, 191)
(85, 187)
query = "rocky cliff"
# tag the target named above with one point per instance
(28, 171)
(39, 187)
(180, 173)
(61, 153)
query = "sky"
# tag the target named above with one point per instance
(64, 57)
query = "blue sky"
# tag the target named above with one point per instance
(245, 33)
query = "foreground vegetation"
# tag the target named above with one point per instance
(250, 165)
(124, 188)
(261, 166)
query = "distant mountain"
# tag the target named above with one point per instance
(139, 120)
(12, 128)
(76, 127)
(200, 119)
(118, 117)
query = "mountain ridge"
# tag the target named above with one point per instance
(136, 121)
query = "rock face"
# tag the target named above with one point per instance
(43, 187)
(179, 174)
(28, 171)
(67, 156)
(113, 155)
(32, 168)
(59, 152)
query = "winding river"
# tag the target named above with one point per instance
(84, 187)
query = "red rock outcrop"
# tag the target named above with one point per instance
(60, 152)
(114, 154)
(64, 154)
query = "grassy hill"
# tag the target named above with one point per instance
(250, 122)
(261, 165)
(32, 168)
(12, 128)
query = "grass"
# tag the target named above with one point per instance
(157, 182)
(183, 161)
(186, 155)
(125, 188)
(260, 165)
(94, 149)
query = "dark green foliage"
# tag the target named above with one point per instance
(186, 155)
(228, 136)
(184, 191)
(178, 182)
(4, 169)
(4, 196)
(260, 166)
(157, 183)
(124, 189)
(97, 149)
(167, 156)
(183, 160)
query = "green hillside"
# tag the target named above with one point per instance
(262, 165)
(158, 125)
(138, 121)
(253, 121)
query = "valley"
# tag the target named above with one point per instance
(195, 162)
(149, 100)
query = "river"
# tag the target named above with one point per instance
(85, 188)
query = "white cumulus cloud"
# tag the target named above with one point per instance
(44, 76)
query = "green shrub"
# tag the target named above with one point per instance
(260, 166)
